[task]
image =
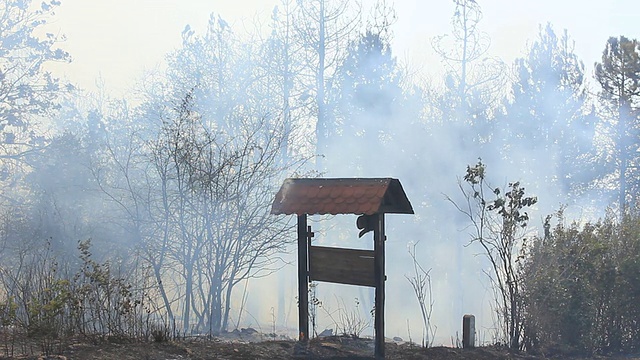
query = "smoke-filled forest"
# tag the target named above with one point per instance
(147, 216)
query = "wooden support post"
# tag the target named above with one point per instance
(380, 277)
(303, 278)
(468, 331)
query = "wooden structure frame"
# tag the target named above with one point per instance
(367, 197)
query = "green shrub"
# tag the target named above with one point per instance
(582, 286)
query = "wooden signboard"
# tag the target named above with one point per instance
(370, 199)
(343, 266)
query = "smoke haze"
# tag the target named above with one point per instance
(172, 173)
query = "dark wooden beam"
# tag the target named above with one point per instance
(303, 278)
(378, 248)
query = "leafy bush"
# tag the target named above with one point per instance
(46, 300)
(582, 286)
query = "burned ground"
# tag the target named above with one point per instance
(202, 348)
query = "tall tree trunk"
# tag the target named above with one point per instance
(321, 124)
(187, 298)
(157, 266)
(622, 113)
(286, 92)
(216, 305)
(227, 301)
(462, 91)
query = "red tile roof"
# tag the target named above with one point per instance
(341, 196)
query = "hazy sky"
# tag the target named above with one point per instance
(118, 39)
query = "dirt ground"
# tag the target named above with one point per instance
(238, 348)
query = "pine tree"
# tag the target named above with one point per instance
(368, 94)
(546, 123)
(619, 77)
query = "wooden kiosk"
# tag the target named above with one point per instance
(370, 198)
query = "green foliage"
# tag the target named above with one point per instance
(47, 301)
(581, 287)
(45, 308)
(102, 301)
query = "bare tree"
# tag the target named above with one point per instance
(279, 66)
(499, 226)
(27, 90)
(471, 74)
(325, 28)
(216, 202)
(420, 281)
